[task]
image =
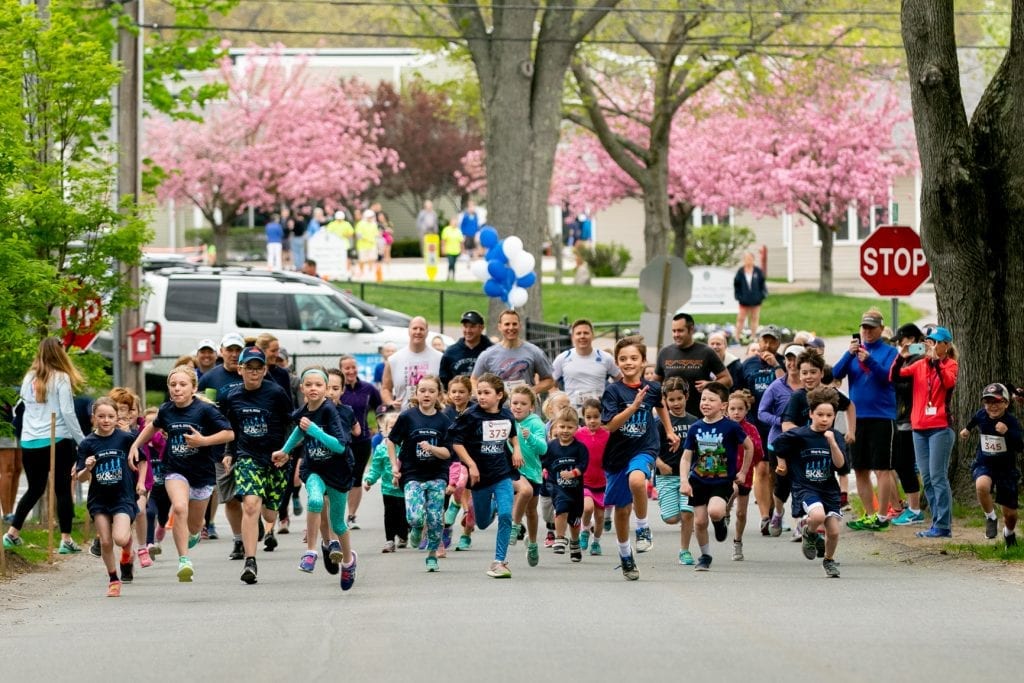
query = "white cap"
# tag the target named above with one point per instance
(339, 215)
(232, 339)
(368, 214)
(207, 344)
(794, 349)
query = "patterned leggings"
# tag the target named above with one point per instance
(424, 504)
(315, 492)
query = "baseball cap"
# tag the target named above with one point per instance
(252, 353)
(996, 390)
(472, 317)
(909, 331)
(368, 214)
(794, 350)
(871, 320)
(232, 339)
(817, 343)
(770, 331)
(940, 334)
(207, 344)
(283, 353)
(339, 215)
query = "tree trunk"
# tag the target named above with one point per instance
(827, 235)
(972, 207)
(680, 218)
(220, 242)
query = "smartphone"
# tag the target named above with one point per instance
(856, 335)
(916, 349)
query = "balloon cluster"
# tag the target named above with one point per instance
(507, 272)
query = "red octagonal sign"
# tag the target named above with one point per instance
(892, 261)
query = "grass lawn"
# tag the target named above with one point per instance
(34, 550)
(825, 315)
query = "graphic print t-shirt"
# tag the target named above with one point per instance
(485, 437)
(112, 481)
(411, 428)
(714, 449)
(408, 368)
(193, 463)
(335, 469)
(809, 459)
(639, 434)
(259, 419)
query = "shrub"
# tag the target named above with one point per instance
(717, 245)
(406, 248)
(605, 260)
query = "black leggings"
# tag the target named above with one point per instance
(361, 452)
(157, 510)
(394, 518)
(903, 462)
(36, 462)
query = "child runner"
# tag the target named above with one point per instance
(395, 526)
(258, 412)
(633, 444)
(675, 507)
(533, 444)
(330, 545)
(325, 469)
(481, 438)
(193, 426)
(711, 459)
(566, 460)
(595, 438)
(818, 455)
(460, 390)
(995, 465)
(129, 420)
(421, 433)
(103, 456)
(740, 403)
(554, 403)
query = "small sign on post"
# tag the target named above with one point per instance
(665, 285)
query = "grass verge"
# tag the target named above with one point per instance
(996, 551)
(33, 552)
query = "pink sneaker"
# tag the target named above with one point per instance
(159, 534)
(144, 559)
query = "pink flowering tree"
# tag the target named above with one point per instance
(277, 138)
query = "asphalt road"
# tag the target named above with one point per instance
(772, 617)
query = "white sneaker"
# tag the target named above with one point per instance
(737, 551)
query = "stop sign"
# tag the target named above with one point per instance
(892, 261)
(80, 325)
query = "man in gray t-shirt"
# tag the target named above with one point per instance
(514, 360)
(584, 370)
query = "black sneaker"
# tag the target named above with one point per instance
(127, 572)
(94, 549)
(991, 527)
(819, 546)
(721, 530)
(249, 573)
(330, 565)
(831, 568)
(810, 543)
(1010, 540)
(629, 570)
(703, 563)
(575, 552)
(269, 542)
(237, 551)
(764, 526)
(522, 532)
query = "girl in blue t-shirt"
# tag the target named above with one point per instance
(103, 457)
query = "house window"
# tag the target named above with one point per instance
(706, 218)
(854, 230)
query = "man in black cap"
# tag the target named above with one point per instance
(460, 358)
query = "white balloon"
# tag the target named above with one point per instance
(479, 270)
(523, 263)
(512, 246)
(517, 297)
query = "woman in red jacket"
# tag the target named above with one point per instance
(934, 378)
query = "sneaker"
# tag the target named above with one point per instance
(575, 552)
(451, 513)
(415, 536)
(388, 547)
(798, 532)
(876, 523)
(703, 563)
(607, 523)
(154, 549)
(446, 537)
(991, 527)
(249, 572)
(348, 574)
(159, 534)
(514, 536)
(432, 565)
(859, 524)
(775, 525)
(237, 551)
(351, 522)
(908, 517)
(595, 547)
(934, 532)
(269, 542)
(628, 565)
(558, 547)
(211, 532)
(499, 570)
(686, 558)
(330, 564)
(522, 532)
(809, 544)
(584, 539)
(127, 572)
(765, 521)
(737, 551)
(284, 526)
(819, 546)
(114, 589)
(193, 540)
(296, 506)
(334, 552)
(185, 570)
(307, 562)
(532, 554)
(204, 533)
(1010, 540)
(644, 540)
(831, 568)
(11, 541)
(69, 547)
(463, 544)
(844, 502)
(144, 559)
(549, 540)
(721, 530)
(94, 547)
(423, 542)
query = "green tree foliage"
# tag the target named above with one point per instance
(717, 245)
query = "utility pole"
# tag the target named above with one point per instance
(129, 178)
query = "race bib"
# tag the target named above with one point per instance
(993, 445)
(496, 430)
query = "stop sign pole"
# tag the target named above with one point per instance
(893, 263)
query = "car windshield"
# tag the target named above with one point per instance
(321, 312)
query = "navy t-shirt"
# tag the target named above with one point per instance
(335, 469)
(112, 482)
(195, 464)
(798, 409)
(485, 437)
(459, 359)
(994, 449)
(410, 429)
(559, 458)
(216, 385)
(809, 460)
(259, 418)
(681, 426)
(714, 446)
(639, 433)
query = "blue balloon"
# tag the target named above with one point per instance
(497, 253)
(496, 269)
(494, 288)
(510, 279)
(527, 280)
(488, 237)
